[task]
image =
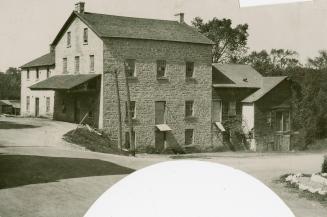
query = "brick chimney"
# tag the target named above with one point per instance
(79, 7)
(181, 17)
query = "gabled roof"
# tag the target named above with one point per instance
(241, 76)
(268, 83)
(13, 103)
(45, 60)
(110, 26)
(63, 82)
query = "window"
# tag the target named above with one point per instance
(28, 103)
(76, 64)
(130, 67)
(189, 69)
(161, 68)
(47, 105)
(28, 74)
(189, 108)
(48, 72)
(68, 39)
(127, 140)
(232, 108)
(37, 73)
(283, 121)
(85, 36)
(132, 109)
(188, 136)
(64, 65)
(91, 63)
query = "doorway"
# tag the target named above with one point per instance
(160, 140)
(37, 107)
(77, 110)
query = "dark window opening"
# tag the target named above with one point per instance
(85, 36)
(127, 139)
(132, 109)
(189, 136)
(189, 69)
(161, 68)
(189, 108)
(37, 73)
(130, 67)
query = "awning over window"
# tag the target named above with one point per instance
(220, 126)
(63, 82)
(163, 127)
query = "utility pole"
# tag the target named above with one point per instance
(130, 123)
(120, 128)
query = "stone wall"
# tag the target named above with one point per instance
(146, 89)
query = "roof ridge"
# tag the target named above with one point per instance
(142, 18)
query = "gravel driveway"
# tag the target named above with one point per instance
(46, 176)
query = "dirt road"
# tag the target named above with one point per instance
(41, 175)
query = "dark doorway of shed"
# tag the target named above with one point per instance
(77, 110)
(160, 140)
(37, 107)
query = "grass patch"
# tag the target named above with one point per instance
(92, 141)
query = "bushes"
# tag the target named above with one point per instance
(324, 165)
(178, 149)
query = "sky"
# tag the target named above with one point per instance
(28, 27)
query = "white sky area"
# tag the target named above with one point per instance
(28, 27)
(249, 3)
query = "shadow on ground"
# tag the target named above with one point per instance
(12, 125)
(18, 170)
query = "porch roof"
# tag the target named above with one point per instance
(63, 82)
(163, 127)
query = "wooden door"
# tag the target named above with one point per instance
(160, 140)
(160, 107)
(37, 107)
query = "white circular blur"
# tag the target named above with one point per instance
(189, 189)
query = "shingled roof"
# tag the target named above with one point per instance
(110, 26)
(268, 83)
(244, 76)
(238, 75)
(45, 60)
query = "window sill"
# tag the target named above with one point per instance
(69, 46)
(85, 43)
(190, 118)
(132, 79)
(162, 78)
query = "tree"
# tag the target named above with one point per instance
(12, 71)
(319, 62)
(10, 84)
(274, 63)
(229, 43)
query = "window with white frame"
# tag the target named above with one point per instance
(283, 122)
(28, 103)
(76, 64)
(47, 105)
(85, 36)
(68, 39)
(64, 66)
(91, 63)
